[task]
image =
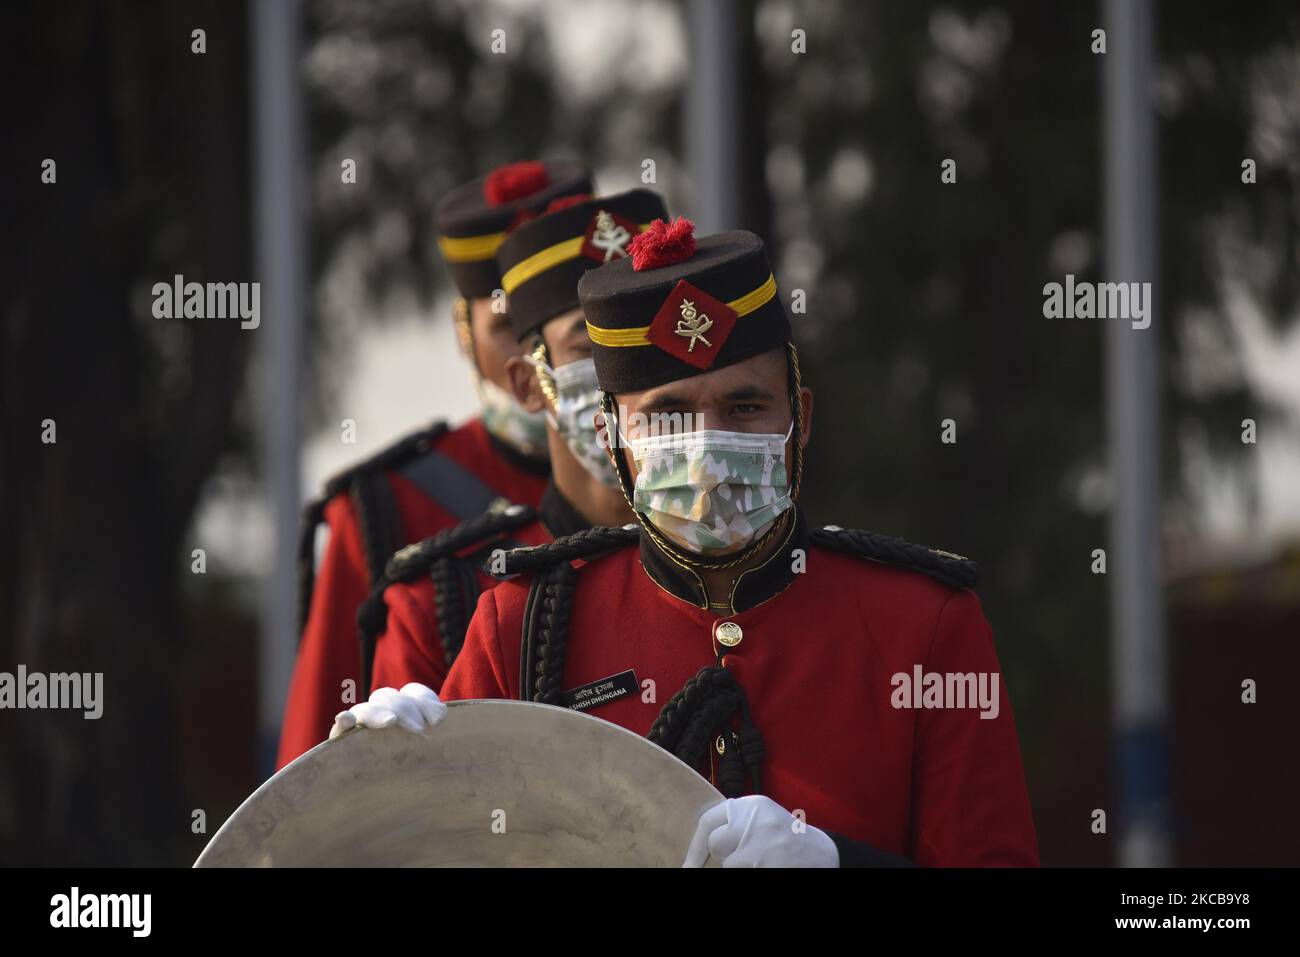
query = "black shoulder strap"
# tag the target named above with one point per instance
(944, 567)
(450, 484)
(442, 480)
(451, 558)
(395, 456)
(550, 595)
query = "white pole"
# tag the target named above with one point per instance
(280, 253)
(1139, 699)
(712, 116)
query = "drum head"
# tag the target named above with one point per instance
(495, 784)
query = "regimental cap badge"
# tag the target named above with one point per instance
(609, 237)
(692, 325)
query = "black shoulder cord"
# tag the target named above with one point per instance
(312, 515)
(456, 590)
(944, 567)
(703, 709)
(371, 503)
(550, 600)
(581, 544)
(550, 597)
(688, 724)
(378, 519)
(454, 577)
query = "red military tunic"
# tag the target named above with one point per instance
(817, 657)
(328, 653)
(410, 647)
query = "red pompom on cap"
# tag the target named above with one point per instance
(513, 181)
(663, 244)
(564, 202)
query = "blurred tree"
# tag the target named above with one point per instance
(151, 147)
(925, 304)
(413, 92)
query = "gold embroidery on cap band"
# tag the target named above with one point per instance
(548, 258)
(616, 338)
(470, 248)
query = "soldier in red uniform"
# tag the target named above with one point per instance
(435, 478)
(415, 618)
(840, 688)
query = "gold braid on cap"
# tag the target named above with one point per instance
(686, 560)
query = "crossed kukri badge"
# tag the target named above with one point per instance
(693, 324)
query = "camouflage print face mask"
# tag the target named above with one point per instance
(510, 422)
(711, 491)
(577, 400)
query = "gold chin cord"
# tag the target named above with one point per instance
(464, 330)
(542, 365)
(680, 556)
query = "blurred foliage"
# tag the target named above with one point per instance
(925, 304)
(926, 298)
(151, 144)
(411, 91)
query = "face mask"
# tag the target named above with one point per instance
(711, 491)
(511, 423)
(577, 400)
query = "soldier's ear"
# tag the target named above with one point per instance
(523, 384)
(806, 401)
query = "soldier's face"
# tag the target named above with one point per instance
(750, 396)
(566, 338)
(494, 343)
(566, 341)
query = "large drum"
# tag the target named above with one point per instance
(495, 784)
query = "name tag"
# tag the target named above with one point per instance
(596, 693)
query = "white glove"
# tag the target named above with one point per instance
(415, 707)
(755, 831)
